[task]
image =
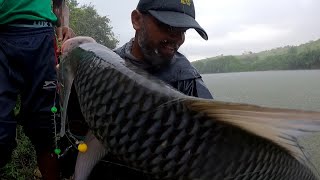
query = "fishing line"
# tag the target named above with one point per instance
(54, 110)
(78, 144)
(308, 159)
(242, 175)
(122, 165)
(75, 142)
(171, 102)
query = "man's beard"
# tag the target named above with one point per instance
(151, 55)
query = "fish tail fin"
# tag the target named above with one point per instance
(285, 127)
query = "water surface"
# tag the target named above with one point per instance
(286, 89)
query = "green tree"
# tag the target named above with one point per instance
(85, 21)
(304, 56)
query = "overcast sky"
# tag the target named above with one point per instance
(233, 26)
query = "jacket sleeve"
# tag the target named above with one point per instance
(193, 87)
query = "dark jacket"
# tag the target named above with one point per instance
(180, 74)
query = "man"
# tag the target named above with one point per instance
(27, 67)
(160, 30)
(160, 27)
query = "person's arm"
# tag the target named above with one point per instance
(188, 80)
(193, 87)
(202, 89)
(61, 10)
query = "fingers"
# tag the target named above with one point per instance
(64, 33)
(59, 33)
(67, 33)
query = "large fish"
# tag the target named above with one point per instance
(148, 126)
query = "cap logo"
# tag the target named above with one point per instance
(186, 2)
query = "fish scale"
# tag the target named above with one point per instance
(146, 154)
(146, 125)
(146, 106)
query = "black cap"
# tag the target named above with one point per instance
(175, 13)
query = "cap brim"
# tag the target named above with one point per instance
(176, 19)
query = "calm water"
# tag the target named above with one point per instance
(285, 89)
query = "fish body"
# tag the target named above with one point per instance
(147, 125)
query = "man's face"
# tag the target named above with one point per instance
(159, 42)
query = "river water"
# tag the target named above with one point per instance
(285, 89)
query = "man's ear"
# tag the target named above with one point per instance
(136, 19)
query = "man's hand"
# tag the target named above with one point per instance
(64, 33)
(61, 10)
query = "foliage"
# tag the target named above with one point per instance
(85, 21)
(23, 163)
(305, 56)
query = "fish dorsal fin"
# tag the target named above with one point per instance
(281, 126)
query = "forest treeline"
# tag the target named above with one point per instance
(304, 56)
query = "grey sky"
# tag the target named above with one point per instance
(233, 26)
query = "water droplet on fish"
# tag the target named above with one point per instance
(164, 144)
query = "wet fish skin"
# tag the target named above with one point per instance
(149, 126)
(67, 75)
